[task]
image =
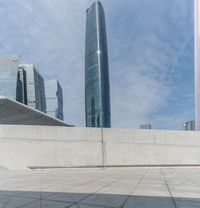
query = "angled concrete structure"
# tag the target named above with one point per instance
(13, 112)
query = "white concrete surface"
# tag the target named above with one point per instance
(40, 146)
(127, 147)
(101, 188)
(23, 147)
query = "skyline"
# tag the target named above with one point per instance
(151, 46)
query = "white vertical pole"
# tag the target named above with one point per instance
(197, 63)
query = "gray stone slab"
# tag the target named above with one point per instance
(101, 188)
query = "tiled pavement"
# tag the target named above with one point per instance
(98, 188)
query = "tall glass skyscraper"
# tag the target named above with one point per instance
(189, 126)
(21, 86)
(54, 99)
(8, 77)
(97, 90)
(35, 90)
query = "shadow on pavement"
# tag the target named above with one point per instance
(28, 199)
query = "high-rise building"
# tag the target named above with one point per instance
(145, 126)
(54, 99)
(189, 126)
(8, 77)
(97, 90)
(21, 85)
(197, 62)
(35, 91)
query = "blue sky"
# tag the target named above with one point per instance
(150, 46)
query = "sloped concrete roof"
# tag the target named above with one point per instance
(13, 112)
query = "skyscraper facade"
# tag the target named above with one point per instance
(97, 90)
(145, 126)
(8, 77)
(21, 86)
(197, 62)
(35, 90)
(189, 126)
(54, 99)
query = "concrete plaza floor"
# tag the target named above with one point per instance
(98, 188)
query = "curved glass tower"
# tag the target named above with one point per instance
(97, 90)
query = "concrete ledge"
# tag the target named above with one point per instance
(24, 147)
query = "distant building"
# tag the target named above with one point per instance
(35, 90)
(54, 99)
(189, 126)
(97, 89)
(8, 77)
(145, 126)
(21, 86)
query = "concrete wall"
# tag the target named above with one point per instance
(23, 147)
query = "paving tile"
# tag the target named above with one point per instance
(187, 203)
(15, 202)
(149, 202)
(108, 188)
(46, 204)
(105, 200)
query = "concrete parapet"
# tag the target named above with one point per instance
(24, 147)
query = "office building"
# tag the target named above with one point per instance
(54, 99)
(35, 90)
(21, 85)
(97, 92)
(9, 77)
(197, 62)
(189, 126)
(145, 126)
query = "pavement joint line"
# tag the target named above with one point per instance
(167, 185)
(28, 203)
(169, 177)
(69, 202)
(82, 184)
(73, 201)
(50, 186)
(130, 194)
(95, 205)
(11, 197)
(88, 195)
(188, 179)
(77, 204)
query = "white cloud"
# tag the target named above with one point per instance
(144, 51)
